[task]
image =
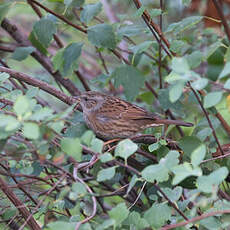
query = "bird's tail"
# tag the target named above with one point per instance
(173, 122)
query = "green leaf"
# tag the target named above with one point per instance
(198, 155)
(102, 35)
(31, 130)
(21, 53)
(4, 77)
(97, 145)
(140, 11)
(141, 47)
(36, 43)
(60, 225)
(70, 56)
(158, 215)
(176, 91)
(227, 55)
(21, 105)
(119, 213)
(105, 157)
(226, 70)
(210, 183)
(173, 194)
(4, 8)
(44, 29)
(136, 222)
(41, 114)
(154, 147)
(106, 174)
(160, 172)
(79, 189)
(9, 123)
(211, 223)
(194, 59)
(226, 85)
(183, 171)
(200, 83)
(130, 78)
(178, 46)
(184, 24)
(72, 147)
(90, 11)
(125, 149)
(87, 137)
(212, 99)
(180, 65)
(155, 12)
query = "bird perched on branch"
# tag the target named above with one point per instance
(111, 117)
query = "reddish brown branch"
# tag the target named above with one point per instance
(45, 61)
(223, 19)
(32, 224)
(40, 84)
(195, 219)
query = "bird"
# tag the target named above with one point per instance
(113, 118)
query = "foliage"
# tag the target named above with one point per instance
(64, 174)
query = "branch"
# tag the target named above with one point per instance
(45, 61)
(195, 219)
(19, 205)
(222, 17)
(40, 84)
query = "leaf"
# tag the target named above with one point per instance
(60, 225)
(119, 213)
(180, 65)
(183, 171)
(136, 222)
(125, 149)
(154, 146)
(212, 99)
(130, 78)
(194, 59)
(105, 157)
(4, 8)
(97, 145)
(226, 71)
(41, 114)
(21, 53)
(210, 183)
(9, 123)
(200, 83)
(198, 155)
(44, 29)
(226, 85)
(173, 194)
(4, 77)
(158, 215)
(155, 12)
(21, 105)
(102, 35)
(160, 172)
(87, 137)
(90, 11)
(141, 47)
(36, 43)
(72, 147)
(176, 91)
(106, 174)
(70, 56)
(184, 24)
(31, 130)
(79, 189)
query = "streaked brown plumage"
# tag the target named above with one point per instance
(110, 117)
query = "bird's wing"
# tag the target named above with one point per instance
(124, 110)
